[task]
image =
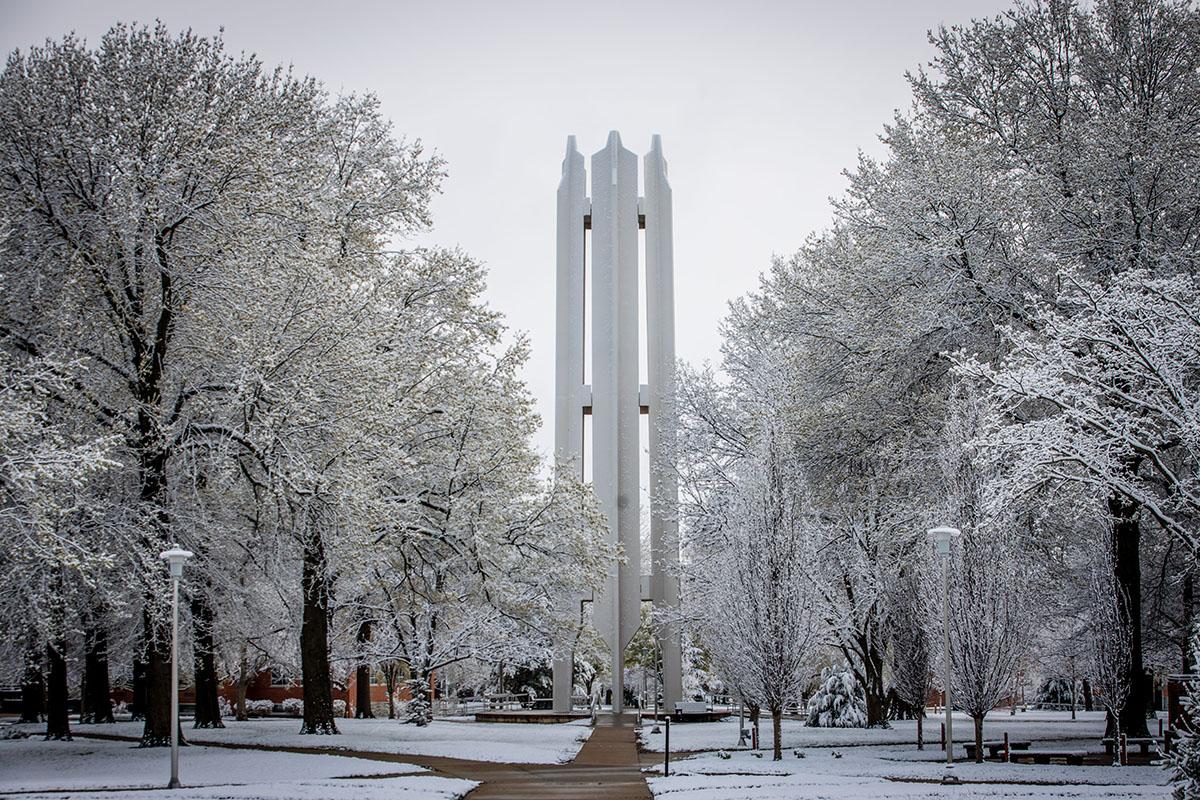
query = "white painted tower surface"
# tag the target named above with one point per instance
(616, 396)
(660, 345)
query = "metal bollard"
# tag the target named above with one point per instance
(943, 736)
(667, 749)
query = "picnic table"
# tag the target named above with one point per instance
(995, 747)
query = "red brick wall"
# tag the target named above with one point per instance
(261, 688)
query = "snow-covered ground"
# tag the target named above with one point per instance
(841, 764)
(1029, 725)
(424, 788)
(478, 741)
(93, 768)
(823, 786)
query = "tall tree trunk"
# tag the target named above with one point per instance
(208, 703)
(314, 639)
(57, 724)
(920, 729)
(1188, 622)
(1087, 695)
(95, 698)
(978, 738)
(362, 676)
(362, 693)
(244, 677)
(156, 634)
(876, 699)
(156, 732)
(777, 732)
(240, 707)
(391, 674)
(872, 683)
(85, 713)
(137, 706)
(33, 683)
(1127, 569)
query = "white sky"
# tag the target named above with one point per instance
(761, 105)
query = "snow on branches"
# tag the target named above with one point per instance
(1107, 392)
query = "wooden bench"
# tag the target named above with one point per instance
(1072, 758)
(1143, 743)
(995, 748)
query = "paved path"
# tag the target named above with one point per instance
(606, 768)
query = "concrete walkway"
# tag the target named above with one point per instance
(606, 768)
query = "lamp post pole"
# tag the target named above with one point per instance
(941, 538)
(175, 558)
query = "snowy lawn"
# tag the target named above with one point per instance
(476, 741)
(1030, 726)
(817, 786)
(881, 773)
(34, 765)
(423, 788)
(840, 764)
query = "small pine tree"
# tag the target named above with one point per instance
(418, 711)
(839, 703)
(1054, 691)
(1184, 761)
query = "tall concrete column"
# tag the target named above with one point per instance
(569, 400)
(615, 384)
(660, 345)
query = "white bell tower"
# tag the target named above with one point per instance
(616, 397)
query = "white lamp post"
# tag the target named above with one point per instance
(941, 539)
(176, 557)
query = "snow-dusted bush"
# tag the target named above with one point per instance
(226, 708)
(339, 708)
(293, 706)
(1054, 691)
(259, 708)
(839, 703)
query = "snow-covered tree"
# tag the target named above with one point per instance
(911, 648)
(205, 174)
(1104, 395)
(1088, 123)
(749, 588)
(992, 576)
(56, 530)
(838, 702)
(1111, 640)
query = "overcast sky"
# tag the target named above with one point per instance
(761, 105)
